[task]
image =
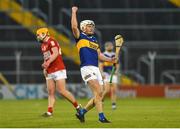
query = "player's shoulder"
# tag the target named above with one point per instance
(113, 53)
(52, 41)
(82, 36)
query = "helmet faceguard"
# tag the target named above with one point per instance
(41, 34)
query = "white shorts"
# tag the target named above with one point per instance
(108, 76)
(57, 75)
(91, 73)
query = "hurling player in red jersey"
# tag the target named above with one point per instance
(54, 70)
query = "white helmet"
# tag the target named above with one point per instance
(86, 22)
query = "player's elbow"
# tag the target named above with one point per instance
(74, 27)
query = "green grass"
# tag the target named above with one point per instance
(130, 113)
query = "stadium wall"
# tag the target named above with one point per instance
(38, 91)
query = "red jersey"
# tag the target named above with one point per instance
(46, 48)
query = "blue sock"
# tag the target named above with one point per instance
(84, 111)
(101, 116)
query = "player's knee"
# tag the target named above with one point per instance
(99, 95)
(63, 92)
(51, 92)
(105, 91)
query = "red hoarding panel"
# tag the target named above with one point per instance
(169, 91)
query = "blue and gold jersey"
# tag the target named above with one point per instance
(107, 66)
(87, 48)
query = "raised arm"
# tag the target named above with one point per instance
(74, 23)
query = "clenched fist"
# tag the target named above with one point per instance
(74, 9)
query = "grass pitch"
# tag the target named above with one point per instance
(130, 113)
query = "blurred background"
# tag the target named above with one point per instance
(150, 61)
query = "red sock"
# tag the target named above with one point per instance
(75, 104)
(50, 109)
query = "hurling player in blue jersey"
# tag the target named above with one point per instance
(90, 55)
(106, 69)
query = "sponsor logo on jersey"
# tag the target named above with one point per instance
(47, 55)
